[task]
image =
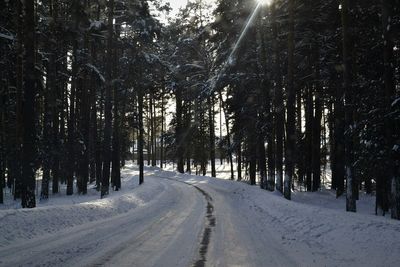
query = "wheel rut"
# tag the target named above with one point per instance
(209, 224)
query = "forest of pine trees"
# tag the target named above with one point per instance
(313, 86)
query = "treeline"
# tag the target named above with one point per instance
(76, 77)
(312, 85)
(323, 86)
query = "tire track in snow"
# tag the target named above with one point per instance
(209, 225)
(210, 222)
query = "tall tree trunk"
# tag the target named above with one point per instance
(338, 174)
(29, 111)
(179, 131)
(261, 156)
(2, 149)
(48, 149)
(162, 131)
(308, 138)
(93, 122)
(153, 131)
(187, 125)
(332, 148)
(347, 81)
(253, 162)
(99, 143)
(299, 136)
(239, 160)
(14, 176)
(280, 112)
(316, 131)
(108, 105)
(55, 100)
(291, 109)
(212, 134)
(390, 92)
(141, 137)
(271, 149)
(221, 158)
(64, 161)
(124, 142)
(84, 124)
(149, 131)
(228, 136)
(2, 175)
(71, 126)
(73, 104)
(116, 145)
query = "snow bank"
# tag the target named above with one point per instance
(64, 212)
(334, 237)
(313, 230)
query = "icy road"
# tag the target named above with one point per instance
(182, 220)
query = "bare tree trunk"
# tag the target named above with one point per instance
(308, 137)
(141, 137)
(2, 148)
(93, 123)
(29, 111)
(316, 131)
(153, 132)
(347, 77)
(64, 117)
(162, 131)
(212, 134)
(239, 160)
(108, 105)
(179, 131)
(71, 125)
(220, 130)
(55, 99)
(338, 170)
(149, 130)
(390, 92)
(14, 175)
(116, 144)
(261, 156)
(291, 109)
(187, 149)
(299, 135)
(280, 112)
(84, 127)
(228, 136)
(46, 164)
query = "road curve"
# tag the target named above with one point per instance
(186, 224)
(235, 239)
(164, 232)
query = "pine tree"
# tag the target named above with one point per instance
(347, 82)
(291, 99)
(29, 114)
(108, 104)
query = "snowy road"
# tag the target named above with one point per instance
(182, 220)
(150, 235)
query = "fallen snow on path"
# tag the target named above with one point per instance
(162, 223)
(311, 234)
(61, 211)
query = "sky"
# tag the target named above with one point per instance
(176, 4)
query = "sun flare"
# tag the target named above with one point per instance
(264, 2)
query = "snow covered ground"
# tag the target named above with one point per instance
(183, 220)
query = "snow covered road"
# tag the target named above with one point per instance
(182, 220)
(162, 232)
